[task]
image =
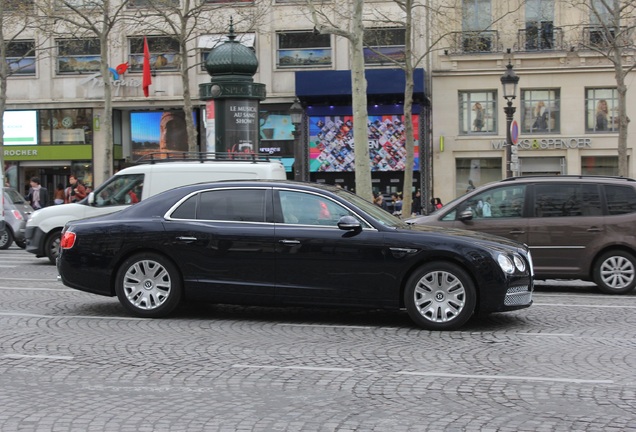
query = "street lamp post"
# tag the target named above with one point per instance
(296, 113)
(509, 81)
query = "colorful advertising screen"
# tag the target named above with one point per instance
(158, 131)
(331, 146)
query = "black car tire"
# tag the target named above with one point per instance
(149, 285)
(6, 239)
(615, 272)
(440, 296)
(52, 246)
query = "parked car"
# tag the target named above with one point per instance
(155, 173)
(288, 243)
(577, 227)
(16, 213)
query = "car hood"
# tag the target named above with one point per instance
(470, 236)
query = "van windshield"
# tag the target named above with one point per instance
(120, 190)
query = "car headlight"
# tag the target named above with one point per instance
(506, 264)
(519, 263)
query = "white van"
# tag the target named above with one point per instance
(137, 183)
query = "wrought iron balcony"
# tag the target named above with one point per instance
(474, 42)
(540, 36)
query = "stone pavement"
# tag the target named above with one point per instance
(71, 361)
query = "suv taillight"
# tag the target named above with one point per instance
(68, 240)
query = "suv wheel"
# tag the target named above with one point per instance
(52, 246)
(6, 239)
(615, 272)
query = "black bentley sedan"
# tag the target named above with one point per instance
(286, 243)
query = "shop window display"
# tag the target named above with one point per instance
(477, 112)
(540, 111)
(77, 56)
(601, 106)
(21, 57)
(303, 49)
(164, 54)
(471, 173)
(66, 126)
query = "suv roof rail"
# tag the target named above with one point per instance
(175, 156)
(573, 176)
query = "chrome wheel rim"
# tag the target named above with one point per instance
(4, 238)
(439, 296)
(147, 284)
(617, 272)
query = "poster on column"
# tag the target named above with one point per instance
(241, 126)
(331, 145)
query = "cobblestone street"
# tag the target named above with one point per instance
(71, 361)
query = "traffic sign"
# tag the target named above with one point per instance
(514, 132)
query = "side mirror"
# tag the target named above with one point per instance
(91, 198)
(349, 223)
(466, 215)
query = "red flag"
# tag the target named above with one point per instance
(147, 77)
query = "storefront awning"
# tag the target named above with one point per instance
(385, 83)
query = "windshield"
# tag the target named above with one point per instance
(380, 215)
(120, 190)
(14, 196)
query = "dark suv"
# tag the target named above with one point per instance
(577, 227)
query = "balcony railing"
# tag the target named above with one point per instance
(601, 36)
(540, 36)
(473, 42)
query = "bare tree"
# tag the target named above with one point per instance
(88, 19)
(608, 31)
(353, 31)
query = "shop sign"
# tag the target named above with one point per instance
(118, 79)
(48, 152)
(546, 143)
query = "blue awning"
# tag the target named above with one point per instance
(380, 82)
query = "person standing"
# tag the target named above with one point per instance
(416, 206)
(38, 196)
(601, 115)
(58, 195)
(78, 191)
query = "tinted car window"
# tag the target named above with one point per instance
(310, 209)
(566, 199)
(501, 202)
(14, 196)
(620, 199)
(239, 205)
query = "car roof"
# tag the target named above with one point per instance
(558, 178)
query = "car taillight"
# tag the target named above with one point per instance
(17, 214)
(68, 240)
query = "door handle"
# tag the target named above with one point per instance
(187, 239)
(517, 231)
(289, 242)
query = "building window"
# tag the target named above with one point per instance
(164, 54)
(599, 165)
(384, 46)
(150, 3)
(21, 57)
(303, 50)
(228, 1)
(540, 111)
(18, 5)
(66, 126)
(476, 20)
(76, 56)
(539, 25)
(601, 110)
(477, 112)
(79, 4)
(472, 173)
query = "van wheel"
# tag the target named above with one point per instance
(148, 285)
(440, 296)
(6, 239)
(615, 272)
(52, 246)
